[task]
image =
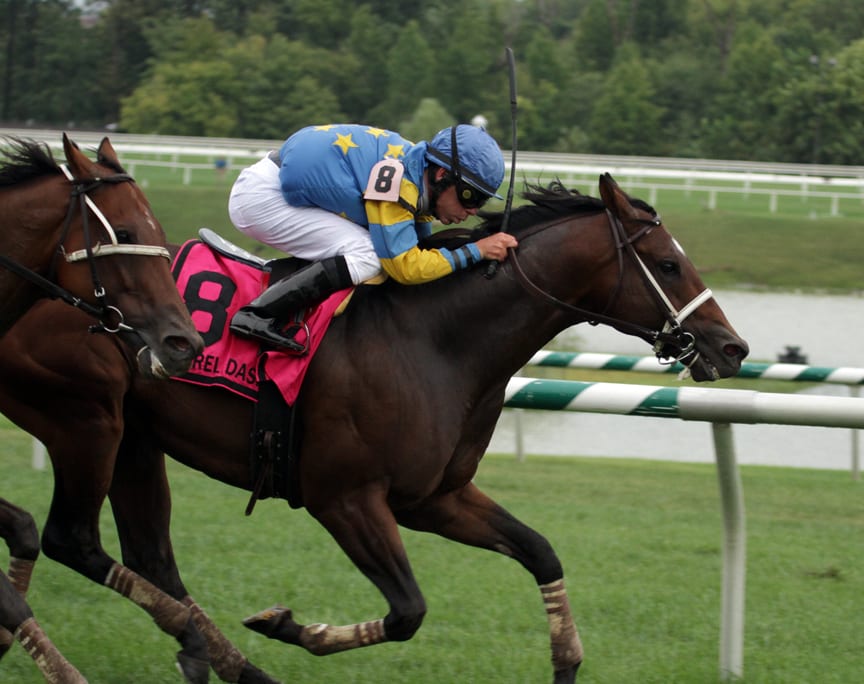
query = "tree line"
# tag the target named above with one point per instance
(769, 80)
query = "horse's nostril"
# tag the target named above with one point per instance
(178, 342)
(734, 350)
(182, 345)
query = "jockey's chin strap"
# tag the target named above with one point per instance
(672, 342)
(103, 312)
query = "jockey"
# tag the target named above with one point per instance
(355, 200)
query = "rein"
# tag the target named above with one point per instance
(101, 311)
(672, 333)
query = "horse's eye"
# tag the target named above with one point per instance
(123, 236)
(669, 267)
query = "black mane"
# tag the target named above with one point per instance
(25, 160)
(546, 203)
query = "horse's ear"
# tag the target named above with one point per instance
(79, 165)
(106, 153)
(615, 199)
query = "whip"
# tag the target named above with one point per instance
(505, 221)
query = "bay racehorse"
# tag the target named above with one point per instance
(82, 232)
(396, 410)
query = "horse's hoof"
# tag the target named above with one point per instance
(265, 620)
(194, 670)
(567, 675)
(252, 675)
(275, 623)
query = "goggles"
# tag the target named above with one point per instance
(469, 196)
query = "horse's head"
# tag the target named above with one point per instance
(659, 289)
(115, 253)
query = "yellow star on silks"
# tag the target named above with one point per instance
(345, 142)
(395, 151)
(377, 132)
(326, 127)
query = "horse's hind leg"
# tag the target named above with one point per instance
(16, 619)
(141, 502)
(469, 516)
(367, 532)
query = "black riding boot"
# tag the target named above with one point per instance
(264, 317)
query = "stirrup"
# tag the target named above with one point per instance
(288, 335)
(267, 331)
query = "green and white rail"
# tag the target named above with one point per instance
(649, 364)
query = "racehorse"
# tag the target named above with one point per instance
(396, 411)
(83, 232)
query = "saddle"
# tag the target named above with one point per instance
(215, 278)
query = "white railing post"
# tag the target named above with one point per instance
(519, 434)
(734, 554)
(855, 391)
(38, 459)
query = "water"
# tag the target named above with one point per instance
(828, 330)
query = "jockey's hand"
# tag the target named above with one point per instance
(495, 246)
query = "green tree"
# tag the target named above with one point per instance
(45, 52)
(285, 85)
(322, 23)
(820, 116)
(745, 105)
(471, 69)
(410, 65)
(365, 64)
(547, 89)
(182, 99)
(427, 119)
(625, 119)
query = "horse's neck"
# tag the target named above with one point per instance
(493, 326)
(488, 328)
(29, 236)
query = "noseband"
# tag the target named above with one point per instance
(672, 342)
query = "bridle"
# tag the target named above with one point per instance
(670, 344)
(102, 311)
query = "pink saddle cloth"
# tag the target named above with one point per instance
(214, 287)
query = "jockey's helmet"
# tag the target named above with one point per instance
(471, 155)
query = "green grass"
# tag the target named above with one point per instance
(640, 542)
(740, 244)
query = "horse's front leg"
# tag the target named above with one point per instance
(19, 531)
(141, 503)
(469, 516)
(364, 527)
(71, 537)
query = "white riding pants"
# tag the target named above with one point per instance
(258, 209)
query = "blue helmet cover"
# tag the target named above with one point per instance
(481, 163)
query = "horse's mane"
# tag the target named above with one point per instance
(25, 160)
(546, 203)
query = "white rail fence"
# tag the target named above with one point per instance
(720, 407)
(833, 186)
